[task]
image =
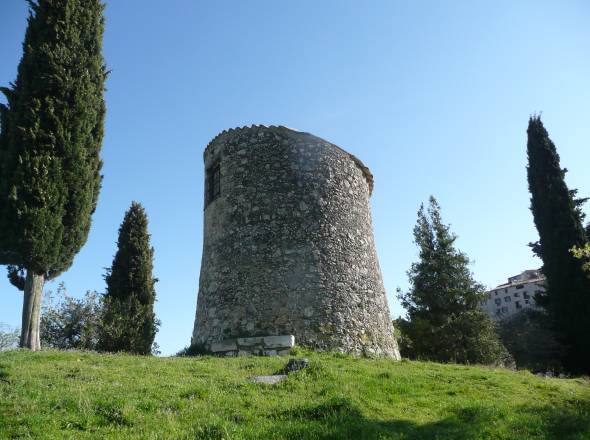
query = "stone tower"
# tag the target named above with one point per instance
(288, 245)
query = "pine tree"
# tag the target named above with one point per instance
(129, 322)
(444, 321)
(558, 219)
(50, 140)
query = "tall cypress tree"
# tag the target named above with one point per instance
(445, 322)
(558, 220)
(129, 322)
(51, 135)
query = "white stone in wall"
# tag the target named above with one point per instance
(261, 345)
(222, 346)
(249, 342)
(286, 341)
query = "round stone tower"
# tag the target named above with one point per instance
(288, 245)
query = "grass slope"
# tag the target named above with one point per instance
(81, 395)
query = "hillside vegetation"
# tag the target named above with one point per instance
(79, 395)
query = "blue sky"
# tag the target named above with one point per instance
(433, 98)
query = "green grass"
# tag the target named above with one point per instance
(81, 395)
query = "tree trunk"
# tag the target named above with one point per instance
(30, 337)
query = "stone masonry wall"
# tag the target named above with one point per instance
(288, 245)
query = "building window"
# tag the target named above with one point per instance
(496, 292)
(526, 301)
(498, 301)
(518, 305)
(504, 309)
(212, 184)
(520, 286)
(507, 299)
(506, 290)
(516, 294)
(525, 295)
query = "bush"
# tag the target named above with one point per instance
(528, 338)
(9, 337)
(464, 339)
(71, 323)
(192, 350)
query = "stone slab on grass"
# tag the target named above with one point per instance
(268, 380)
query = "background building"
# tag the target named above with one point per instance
(516, 295)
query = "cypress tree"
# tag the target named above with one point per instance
(558, 219)
(50, 140)
(128, 322)
(444, 321)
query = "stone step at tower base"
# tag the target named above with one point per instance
(260, 345)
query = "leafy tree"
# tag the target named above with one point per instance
(558, 219)
(530, 342)
(8, 337)
(50, 140)
(128, 322)
(444, 320)
(401, 334)
(70, 323)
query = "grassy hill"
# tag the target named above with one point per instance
(81, 395)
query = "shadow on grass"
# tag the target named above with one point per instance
(341, 419)
(4, 374)
(112, 414)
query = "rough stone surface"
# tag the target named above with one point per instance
(288, 245)
(295, 365)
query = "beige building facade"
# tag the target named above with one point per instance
(516, 295)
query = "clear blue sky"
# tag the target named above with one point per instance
(434, 98)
